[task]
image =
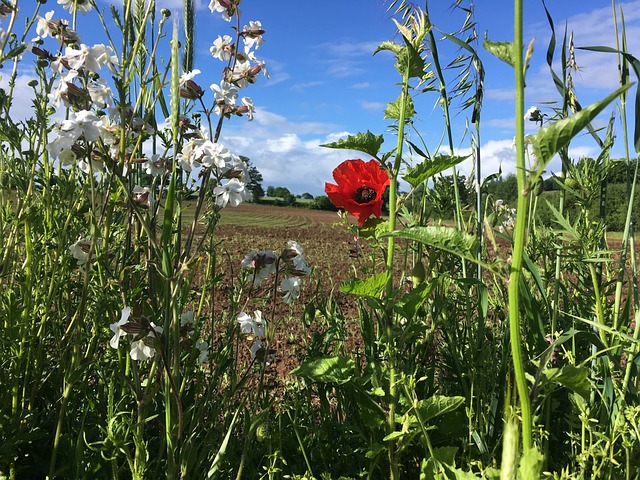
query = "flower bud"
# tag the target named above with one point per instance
(33, 83)
(166, 13)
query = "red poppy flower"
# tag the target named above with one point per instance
(359, 188)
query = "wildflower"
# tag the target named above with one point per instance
(256, 348)
(359, 189)
(100, 93)
(142, 196)
(83, 6)
(90, 58)
(251, 325)
(291, 287)
(225, 93)
(222, 48)
(252, 35)
(246, 108)
(209, 154)
(228, 8)
(44, 26)
(203, 349)
(232, 193)
(535, 115)
(81, 248)
(116, 328)
(155, 165)
(190, 89)
(83, 123)
(142, 349)
(263, 263)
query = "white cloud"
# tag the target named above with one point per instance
(22, 106)
(375, 106)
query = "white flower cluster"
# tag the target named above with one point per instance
(142, 345)
(290, 266)
(144, 336)
(254, 327)
(505, 215)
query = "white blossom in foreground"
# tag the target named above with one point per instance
(140, 349)
(231, 193)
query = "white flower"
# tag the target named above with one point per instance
(252, 37)
(188, 76)
(255, 348)
(291, 287)
(140, 350)
(251, 325)
(100, 93)
(209, 153)
(222, 48)
(531, 112)
(225, 93)
(80, 250)
(155, 165)
(84, 123)
(203, 348)
(186, 319)
(116, 327)
(231, 193)
(249, 109)
(43, 29)
(83, 6)
(221, 7)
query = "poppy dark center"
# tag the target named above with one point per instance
(365, 194)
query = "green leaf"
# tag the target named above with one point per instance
(635, 64)
(393, 109)
(505, 51)
(438, 405)
(215, 466)
(430, 167)
(444, 238)
(548, 141)
(327, 369)
(362, 142)
(408, 304)
(530, 465)
(388, 45)
(572, 377)
(369, 287)
(373, 228)
(441, 455)
(409, 60)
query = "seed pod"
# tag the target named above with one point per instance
(539, 187)
(418, 274)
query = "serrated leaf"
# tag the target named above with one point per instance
(408, 304)
(505, 51)
(572, 377)
(408, 60)
(393, 109)
(548, 141)
(362, 142)
(438, 405)
(373, 228)
(444, 238)
(430, 167)
(333, 369)
(369, 287)
(388, 45)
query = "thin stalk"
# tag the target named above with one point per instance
(519, 237)
(393, 394)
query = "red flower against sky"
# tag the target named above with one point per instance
(359, 188)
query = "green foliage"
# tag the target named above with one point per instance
(363, 142)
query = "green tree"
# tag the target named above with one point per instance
(254, 183)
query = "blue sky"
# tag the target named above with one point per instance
(325, 83)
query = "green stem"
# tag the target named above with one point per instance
(393, 394)
(519, 237)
